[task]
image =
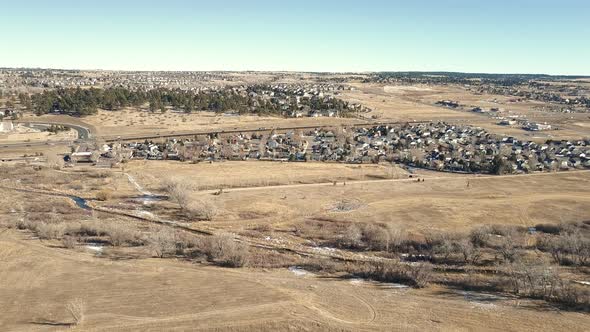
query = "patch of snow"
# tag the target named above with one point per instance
(95, 247)
(324, 249)
(144, 213)
(387, 285)
(586, 283)
(395, 286)
(296, 270)
(485, 306)
(482, 300)
(357, 281)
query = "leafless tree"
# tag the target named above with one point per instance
(162, 242)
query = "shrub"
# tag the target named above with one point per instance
(352, 237)
(441, 246)
(50, 231)
(69, 242)
(162, 243)
(376, 237)
(468, 250)
(393, 271)
(178, 191)
(224, 250)
(104, 195)
(202, 209)
(567, 249)
(120, 234)
(479, 236)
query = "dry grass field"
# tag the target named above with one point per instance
(22, 134)
(124, 287)
(441, 202)
(293, 246)
(129, 122)
(126, 290)
(256, 173)
(40, 279)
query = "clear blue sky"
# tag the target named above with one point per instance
(508, 36)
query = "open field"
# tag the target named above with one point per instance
(23, 134)
(441, 202)
(153, 295)
(124, 287)
(252, 173)
(131, 122)
(118, 243)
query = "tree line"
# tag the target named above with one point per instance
(81, 102)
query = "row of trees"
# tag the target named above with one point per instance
(82, 102)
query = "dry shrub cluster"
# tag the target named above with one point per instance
(180, 192)
(347, 205)
(200, 209)
(415, 275)
(118, 234)
(104, 195)
(224, 250)
(542, 281)
(371, 237)
(571, 246)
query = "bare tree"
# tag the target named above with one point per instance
(470, 253)
(162, 242)
(178, 191)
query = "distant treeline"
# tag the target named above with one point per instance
(465, 78)
(80, 102)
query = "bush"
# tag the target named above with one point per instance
(50, 231)
(352, 237)
(69, 242)
(162, 243)
(224, 250)
(120, 234)
(417, 276)
(201, 209)
(104, 195)
(479, 236)
(566, 249)
(178, 191)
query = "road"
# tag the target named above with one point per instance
(83, 134)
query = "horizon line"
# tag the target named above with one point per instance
(299, 71)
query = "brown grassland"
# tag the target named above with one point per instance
(274, 246)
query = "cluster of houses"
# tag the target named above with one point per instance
(53, 78)
(572, 96)
(439, 146)
(304, 100)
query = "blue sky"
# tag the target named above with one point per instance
(517, 36)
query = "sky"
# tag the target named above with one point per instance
(486, 36)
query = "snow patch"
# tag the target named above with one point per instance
(95, 247)
(296, 270)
